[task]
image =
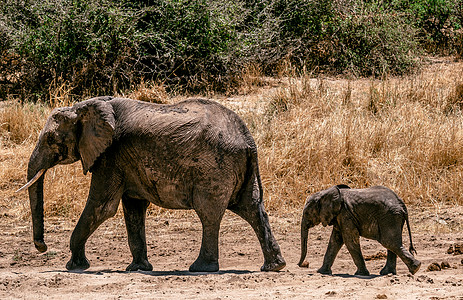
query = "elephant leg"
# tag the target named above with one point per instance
(93, 215)
(102, 203)
(253, 212)
(391, 262)
(412, 263)
(135, 215)
(210, 205)
(393, 243)
(208, 259)
(334, 246)
(352, 241)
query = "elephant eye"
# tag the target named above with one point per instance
(63, 149)
(51, 140)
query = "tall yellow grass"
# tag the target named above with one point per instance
(405, 133)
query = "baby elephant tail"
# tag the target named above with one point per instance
(411, 249)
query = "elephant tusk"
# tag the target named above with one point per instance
(32, 181)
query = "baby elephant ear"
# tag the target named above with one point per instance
(96, 119)
(330, 205)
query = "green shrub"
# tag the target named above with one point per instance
(320, 35)
(438, 23)
(184, 42)
(281, 30)
(374, 43)
(103, 47)
(79, 48)
(81, 44)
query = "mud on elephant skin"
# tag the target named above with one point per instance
(375, 213)
(196, 154)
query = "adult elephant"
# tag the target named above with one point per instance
(196, 154)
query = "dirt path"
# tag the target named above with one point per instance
(173, 243)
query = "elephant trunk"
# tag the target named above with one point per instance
(35, 176)
(304, 237)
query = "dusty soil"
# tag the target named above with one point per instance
(173, 243)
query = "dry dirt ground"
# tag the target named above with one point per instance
(173, 243)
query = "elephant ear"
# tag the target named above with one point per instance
(330, 205)
(97, 125)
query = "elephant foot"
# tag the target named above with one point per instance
(325, 271)
(78, 264)
(274, 266)
(362, 272)
(414, 267)
(388, 270)
(40, 245)
(204, 266)
(142, 266)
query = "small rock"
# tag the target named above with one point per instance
(441, 221)
(450, 250)
(381, 296)
(458, 249)
(445, 265)
(434, 267)
(394, 279)
(424, 278)
(331, 293)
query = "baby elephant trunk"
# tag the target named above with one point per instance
(304, 237)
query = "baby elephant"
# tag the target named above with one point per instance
(374, 213)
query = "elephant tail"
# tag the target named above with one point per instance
(253, 164)
(411, 249)
(255, 167)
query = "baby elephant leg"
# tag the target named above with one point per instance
(334, 246)
(395, 248)
(390, 267)
(412, 263)
(352, 240)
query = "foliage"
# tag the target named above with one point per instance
(388, 47)
(342, 37)
(182, 41)
(83, 44)
(438, 22)
(79, 48)
(100, 47)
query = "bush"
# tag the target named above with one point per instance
(438, 23)
(74, 49)
(349, 37)
(184, 42)
(102, 47)
(281, 30)
(82, 44)
(374, 43)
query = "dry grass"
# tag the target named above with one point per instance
(397, 132)
(155, 93)
(405, 133)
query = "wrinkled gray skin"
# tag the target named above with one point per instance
(375, 213)
(196, 154)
